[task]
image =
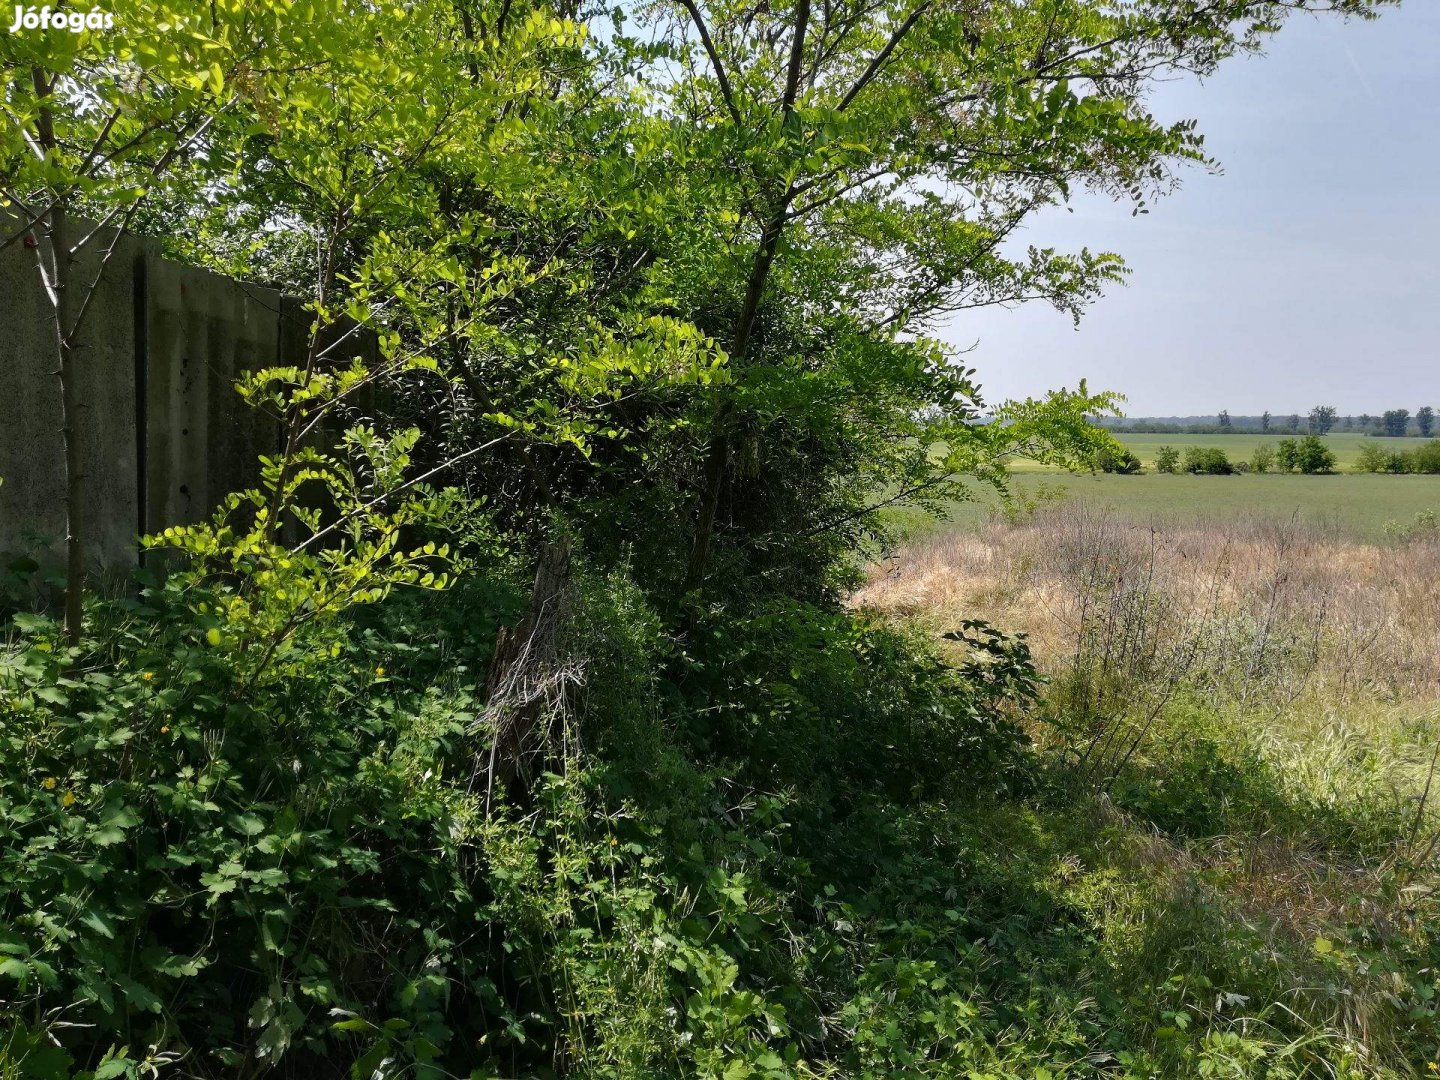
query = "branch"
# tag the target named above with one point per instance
(797, 55)
(720, 76)
(368, 506)
(883, 55)
(903, 493)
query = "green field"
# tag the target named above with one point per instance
(1356, 505)
(1239, 447)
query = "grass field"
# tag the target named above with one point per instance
(1243, 716)
(1353, 505)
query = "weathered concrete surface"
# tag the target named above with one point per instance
(203, 332)
(32, 497)
(164, 434)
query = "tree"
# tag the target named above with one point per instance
(1308, 454)
(1292, 422)
(1396, 422)
(1223, 420)
(1265, 421)
(933, 142)
(1167, 460)
(1322, 419)
(1262, 460)
(1425, 421)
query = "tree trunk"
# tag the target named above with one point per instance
(527, 679)
(56, 277)
(70, 406)
(717, 455)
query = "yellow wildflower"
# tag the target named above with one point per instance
(48, 783)
(164, 729)
(380, 671)
(148, 675)
(68, 799)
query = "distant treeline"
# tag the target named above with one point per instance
(1308, 454)
(1320, 420)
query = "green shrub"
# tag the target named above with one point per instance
(193, 854)
(1425, 526)
(1313, 456)
(1262, 460)
(291, 869)
(1208, 460)
(1117, 459)
(1307, 454)
(1167, 460)
(1287, 454)
(1425, 458)
(1371, 458)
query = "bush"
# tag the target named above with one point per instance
(1167, 460)
(1208, 460)
(1263, 459)
(1371, 458)
(1308, 454)
(195, 857)
(1117, 459)
(1313, 456)
(294, 873)
(1426, 526)
(1425, 458)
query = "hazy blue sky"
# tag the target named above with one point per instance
(1307, 273)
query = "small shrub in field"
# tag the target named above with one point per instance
(1425, 526)
(1263, 459)
(1287, 454)
(1167, 460)
(1425, 458)
(1207, 460)
(1372, 458)
(1308, 454)
(1313, 456)
(1117, 459)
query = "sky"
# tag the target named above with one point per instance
(1307, 273)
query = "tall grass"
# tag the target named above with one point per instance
(1254, 707)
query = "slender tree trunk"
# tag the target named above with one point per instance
(70, 406)
(717, 455)
(56, 276)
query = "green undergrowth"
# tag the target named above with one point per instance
(790, 844)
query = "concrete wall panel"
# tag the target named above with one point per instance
(164, 436)
(202, 441)
(32, 498)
